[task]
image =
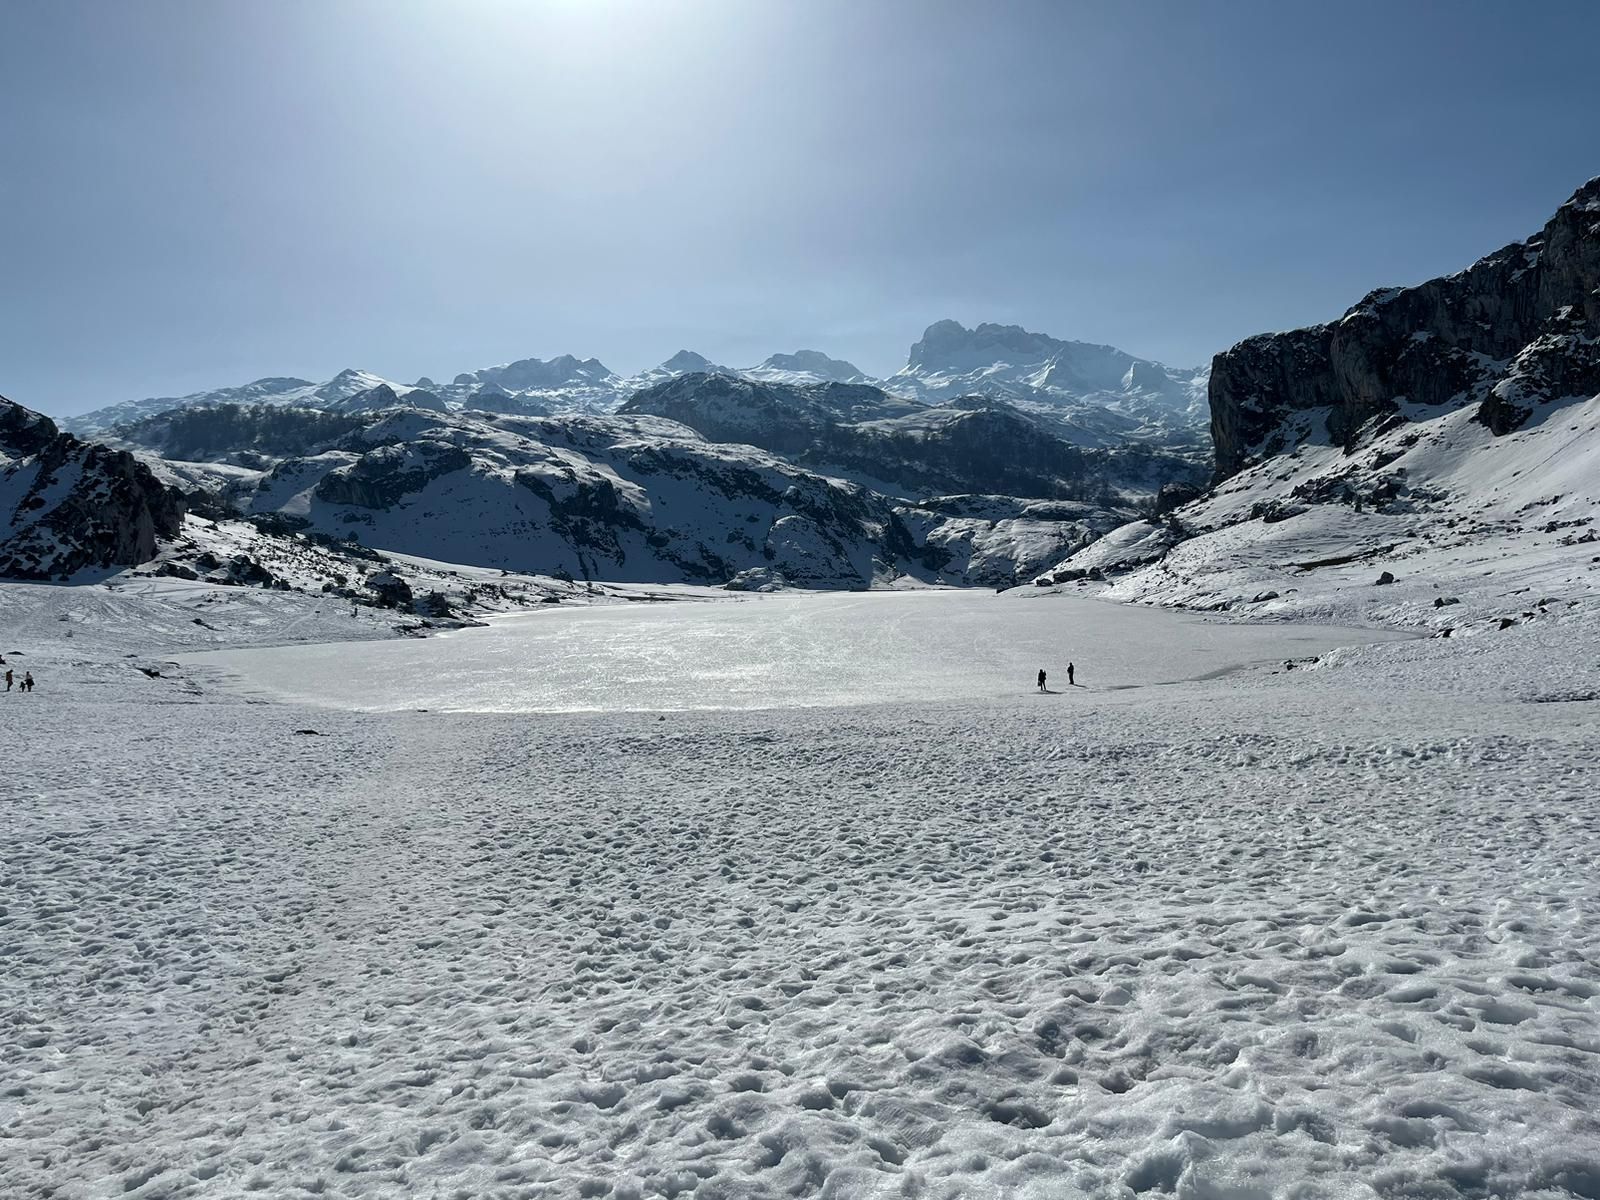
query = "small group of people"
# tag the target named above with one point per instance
(27, 678)
(1071, 671)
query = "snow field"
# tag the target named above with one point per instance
(1329, 932)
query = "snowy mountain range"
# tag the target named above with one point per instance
(1434, 440)
(1431, 437)
(1097, 395)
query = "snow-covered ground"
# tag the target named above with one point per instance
(1328, 932)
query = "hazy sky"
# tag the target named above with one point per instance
(195, 194)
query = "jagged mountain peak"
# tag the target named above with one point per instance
(688, 362)
(949, 344)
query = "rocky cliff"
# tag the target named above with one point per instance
(1517, 328)
(1432, 459)
(67, 504)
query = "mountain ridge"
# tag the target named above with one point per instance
(1104, 393)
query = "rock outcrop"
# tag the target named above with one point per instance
(1513, 330)
(66, 504)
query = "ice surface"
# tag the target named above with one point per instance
(778, 652)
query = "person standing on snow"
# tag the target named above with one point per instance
(27, 681)
(1069, 675)
(8, 679)
(1042, 688)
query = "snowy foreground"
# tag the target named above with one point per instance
(1332, 931)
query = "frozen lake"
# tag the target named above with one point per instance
(783, 651)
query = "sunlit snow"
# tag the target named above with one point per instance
(779, 652)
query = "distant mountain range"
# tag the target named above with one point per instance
(1092, 395)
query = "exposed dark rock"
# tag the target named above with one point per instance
(381, 477)
(1514, 329)
(74, 504)
(232, 432)
(1174, 494)
(242, 569)
(435, 604)
(391, 591)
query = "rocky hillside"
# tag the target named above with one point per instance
(1432, 458)
(627, 498)
(66, 505)
(969, 445)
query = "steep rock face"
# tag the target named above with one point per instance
(67, 504)
(1517, 325)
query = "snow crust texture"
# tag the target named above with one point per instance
(1326, 932)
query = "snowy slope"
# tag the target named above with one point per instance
(1470, 526)
(955, 945)
(639, 498)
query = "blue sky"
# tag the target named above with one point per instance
(196, 194)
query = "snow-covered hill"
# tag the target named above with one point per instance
(1431, 458)
(632, 498)
(971, 444)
